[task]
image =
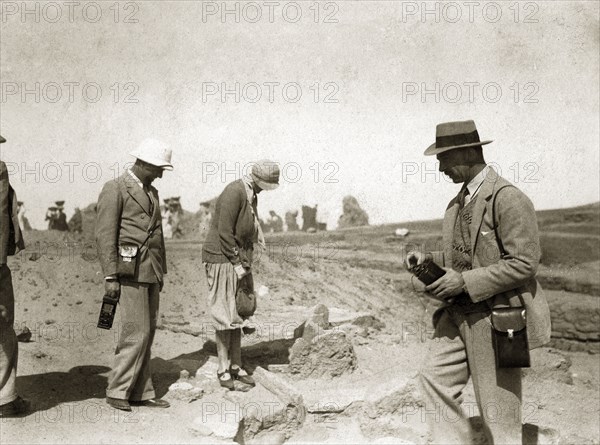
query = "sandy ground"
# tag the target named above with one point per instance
(64, 369)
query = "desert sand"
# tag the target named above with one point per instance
(372, 306)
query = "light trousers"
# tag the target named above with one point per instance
(130, 378)
(461, 347)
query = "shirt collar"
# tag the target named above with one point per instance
(475, 184)
(132, 174)
(249, 190)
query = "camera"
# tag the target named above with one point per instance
(427, 272)
(107, 312)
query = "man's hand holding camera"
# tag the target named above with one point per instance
(448, 286)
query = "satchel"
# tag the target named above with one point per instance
(509, 336)
(128, 260)
(127, 264)
(509, 324)
(245, 298)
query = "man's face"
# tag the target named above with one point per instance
(256, 188)
(151, 172)
(453, 163)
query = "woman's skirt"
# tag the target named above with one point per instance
(222, 287)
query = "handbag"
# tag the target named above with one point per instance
(509, 324)
(245, 298)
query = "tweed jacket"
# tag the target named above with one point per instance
(11, 238)
(232, 231)
(499, 281)
(124, 217)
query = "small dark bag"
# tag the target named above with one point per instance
(128, 258)
(509, 324)
(509, 335)
(245, 298)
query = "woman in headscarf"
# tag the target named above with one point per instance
(227, 258)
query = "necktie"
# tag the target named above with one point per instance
(462, 197)
(150, 198)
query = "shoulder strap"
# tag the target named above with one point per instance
(498, 239)
(495, 222)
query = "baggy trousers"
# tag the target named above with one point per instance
(9, 347)
(130, 378)
(461, 347)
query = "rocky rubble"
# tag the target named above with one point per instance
(321, 351)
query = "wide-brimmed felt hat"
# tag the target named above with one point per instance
(154, 152)
(452, 135)
(265, 174)
(2, 140)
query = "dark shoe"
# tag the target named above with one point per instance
(152, 403)
(225, 383)
(246, 379)
(121, 404)
(15, 408)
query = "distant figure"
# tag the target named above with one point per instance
(165, 213)
(205, 217)
(11, 242)
(291, 221)
(354, 215)
(23, 221)
(61, 220)
(274, 223)
(76, 222)
(176, 212)
(309, 218)
(51, 217)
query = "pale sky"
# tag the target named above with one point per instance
(529, 79)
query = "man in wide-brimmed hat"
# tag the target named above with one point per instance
(477, 279)
(11, 242)
(131, 250)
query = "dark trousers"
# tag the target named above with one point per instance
(9, 347)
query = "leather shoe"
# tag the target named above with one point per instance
(121, 404)
(246, 379)
(152, 403)
(15, 408)
(225, 383)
